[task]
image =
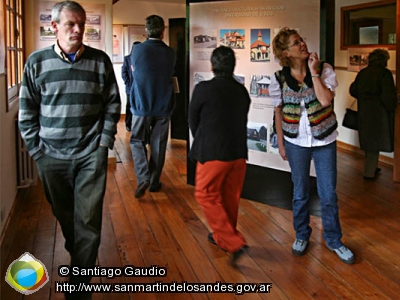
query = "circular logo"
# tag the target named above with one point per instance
(27, 274)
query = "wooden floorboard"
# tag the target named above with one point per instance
(167, 229)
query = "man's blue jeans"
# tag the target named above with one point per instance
(325, 166)
(75, 190)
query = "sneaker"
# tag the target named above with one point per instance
(299, 247)
(345, 254)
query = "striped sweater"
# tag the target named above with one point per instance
(68, 108)
(322, 119)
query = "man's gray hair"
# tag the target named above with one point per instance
(69, 5)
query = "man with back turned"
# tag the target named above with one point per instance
(152, 102)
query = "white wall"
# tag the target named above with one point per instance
(345, 78)
(127, 12)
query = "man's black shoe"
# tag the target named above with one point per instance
(212, 241)
(236, 255)
(155, 187)
(141, 189)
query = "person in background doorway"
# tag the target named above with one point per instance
(305, 122)
(152, 102)
(127, 77)
(218, 122)
(69, 110)
(376, 96)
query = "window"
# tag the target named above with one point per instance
(369, 25)
(14, 47)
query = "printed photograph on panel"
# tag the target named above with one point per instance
(45, 17)
(93, 19)
(257, 136)
(47, 32)
(201, 76)
(259, 85)
(92, 34)
(260, 45)
(234, 38)
(205, 38)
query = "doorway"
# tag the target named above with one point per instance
(179, 124)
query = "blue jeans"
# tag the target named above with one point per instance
(75, 190)
(325, 166)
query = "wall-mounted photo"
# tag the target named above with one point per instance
(234, 38)
(206, 38)
(260, 50)
(92, 34)
(257, 136)
(259, 85)
(358, 58)
(47, 32)
(45, 17)
(93, 19)
(201, 76)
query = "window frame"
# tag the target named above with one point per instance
(347, 25)
(14, 47)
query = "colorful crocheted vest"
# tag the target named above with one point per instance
(322, 119)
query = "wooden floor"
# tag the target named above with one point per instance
(168, 229)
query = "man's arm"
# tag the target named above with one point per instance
(28, 115)
(112, 110)
(126, 68)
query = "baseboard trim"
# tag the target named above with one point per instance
(382, 158)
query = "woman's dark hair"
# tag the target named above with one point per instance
(223, 61)
(378, 57)
(154, 26)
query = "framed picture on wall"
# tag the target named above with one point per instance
(118, 52)
(135, 33)
(358, 58)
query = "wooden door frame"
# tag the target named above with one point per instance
(396, 163)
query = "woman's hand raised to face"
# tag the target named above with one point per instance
(313, 63)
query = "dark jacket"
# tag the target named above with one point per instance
(376, 98)
(126, 73)
(152, 91)
(218, 120)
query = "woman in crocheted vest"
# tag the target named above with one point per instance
(306, 124)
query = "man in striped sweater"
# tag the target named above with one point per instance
(69, 110)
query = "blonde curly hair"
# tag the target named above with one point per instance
(280, 44)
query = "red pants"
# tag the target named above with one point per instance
(218, 189)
